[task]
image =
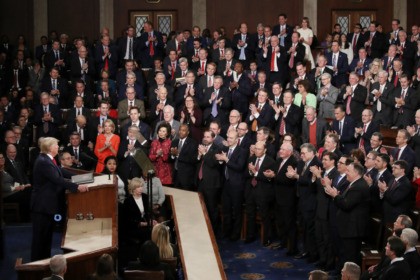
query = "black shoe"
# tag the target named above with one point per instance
(249, 240)
(277, 246)
(301, 255)
(267, 243)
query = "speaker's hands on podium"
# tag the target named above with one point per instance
(83, 188)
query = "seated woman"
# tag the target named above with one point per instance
(150, 261)
(104, 269)
(160, 154)
(106, 144)
(160, 235)
(158, 198)
(111, 164)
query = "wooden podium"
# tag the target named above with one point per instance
(84, 241)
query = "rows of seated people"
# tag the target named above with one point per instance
(250, 120)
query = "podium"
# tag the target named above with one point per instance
(84, 241)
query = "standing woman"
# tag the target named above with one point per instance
(306, 36)
(160, 152)
(304, 98)
(48, 184)
(110, 167)
(192, 116)
(346, 48)
(106, 144)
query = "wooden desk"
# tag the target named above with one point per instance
(197, 244)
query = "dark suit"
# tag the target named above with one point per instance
(299, 54)
(87, 158)
(16, 170)
(415, 145)
(137, 88)
(282, 73)
(186, 164)
(145, 130)
(127, 167)
(398, 199)
(397, 270)
(352, 219)
(181, 91)
(152, 95)
(404, 115)
(171, 46)
(52, 125)
(378, 45)
(62, 86)
(408, 155)
(339, 78)
(413, 259)
(407, 57)
(93, 127)
(233, 191)
(388, 62)
(347, 140)
(88, 99)
(241, 94)
(209, 183)
(223, 107)
(261, 196)
(365, 138)
(112, 60)
(317, 79)
(293, 123)
(321, 131)
(387, 104)
(289, 32)
(360, 71)
(286, 200)
(359, 43)
(47, 187)
(72, 114)
(375, 201)
(122, 47)
(248, 48)
(221, 67)
(306, 191)
(76, 71)
(265, 118)
(145, 55)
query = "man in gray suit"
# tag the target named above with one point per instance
(168, 116)
(327, 97)
(125, 105)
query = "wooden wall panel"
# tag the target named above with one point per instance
(122, 9)
(75, 18)
(413, 7)
(384, 12)
(16, 17)
(231, 13)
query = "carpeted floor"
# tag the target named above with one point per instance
(250, 261)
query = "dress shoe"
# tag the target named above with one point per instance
(249, 240)
(277, 246)
(301, 255)
(267, 243)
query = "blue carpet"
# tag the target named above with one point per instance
(253, 261)
(17, 240)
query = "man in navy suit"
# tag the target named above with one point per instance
(364, 130)
(240, 88)
(216, 102)
(353, 97)
(234, 160)
(407, 51)
(339, 63)
(56, 58)
(383, 175)
(242, 43)
(404, 152)
(47, 117)
(375, 41)
(288, 118)
(48, 184)
(389, 57)
(361, 63)
(344, 127)
(356, 39)
(398, 267)
(283, 31)
(260, 114)
(383, 99)
(150, 45)
(406, 103)
(128, 45)
(274, 62)
(106, 57)
(56, 87)
(83, 67)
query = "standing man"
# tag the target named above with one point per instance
(150, 44)
(48, 183)
(383, 103)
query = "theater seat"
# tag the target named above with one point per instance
(143, 275)
(172, 262)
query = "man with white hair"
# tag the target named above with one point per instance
(350, 271)
(382, 97)
(58, 267)
(410, 238)
(168, 116)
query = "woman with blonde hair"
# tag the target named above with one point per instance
(107, 144)
(160, 235)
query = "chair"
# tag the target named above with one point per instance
(172, 262)
(369, 256)
(143, 275)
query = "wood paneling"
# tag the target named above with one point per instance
(16, 17)
(231, 13)
(383, 8)
(75, 18)
(122, 9)
(413, 7)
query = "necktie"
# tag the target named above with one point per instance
(348, 109)
(281, 165)
(272, 63)
(362, 141)
(56, 55)
(401, 110)
(15, 79)
(54, 84)
(393, 185)
(45, 127)
(354, 42)
(202, 66)
(183, 73)
(257, 167)
(226, 170)
(222, 52)
(200, 172)
(131, 103)
(210, 82)
(378, 101)
(340, 127)
(130, 48)
(242, 54)
(180, 144)
(54, 161)
(173, 71)
(304, 169)
(292, 60)
(151, 46)
(76, 153)
(78, 112)
(396, 79)
(397, 155)
(228, 68)
(239, 141)
(214, 106)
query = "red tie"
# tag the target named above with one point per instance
(396, 80)
(239, 141)
(354, 41)
(257, 167)
(54, 161)
(273, 57)
(151, 47)
(348, 110)
(362, 141)
(173, 71)
(106, 66)
(222, 52)
(398, 154)
(292, 60)
(202, 66)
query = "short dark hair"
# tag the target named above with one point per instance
(384, 157)
(331, 156)
(358, 168)
(379, 135)
(397, 246)
(402, 164)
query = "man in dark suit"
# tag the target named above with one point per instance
(339, 63)
(184, 154)
(389, 57)
(42, 49)
(150, 45)
(352, 213)
(322, 229)
(242, 43)
(106, 57)
(209, 177)
(364, 130)
(260, 114)
(301, 75)
(306, 191)
(95, 125)
(80, 125)
(258, 193)
(16, 78)
(397, 194)
(83, 67)
(353, 97)
(56, 87)
(375, 42)
(47, 186)
(313, 129)
(411, 256)
(190, 87)
(154, 89)
(177, 44)
(406, 102)
(129, 67)
(206, 81)
(14, 167)
(171, 66)
(216, 103)
(398, 267)
(285, 194)
(125, 105)
(296, 51)
(47, 117)
(240, 89)
(383, 99)
(361, 63)
(234, 160)
(82, 157)
(407, 51)
(283, 31)
(225, 66)
(56, 58)
(288, 118)
(81, 90)
(344, 126)
(403, 151)
(128, 45)
(415, 137)
(274, 62)
(320, 69)
(77, 110)
(356, 39)
(144, 128)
